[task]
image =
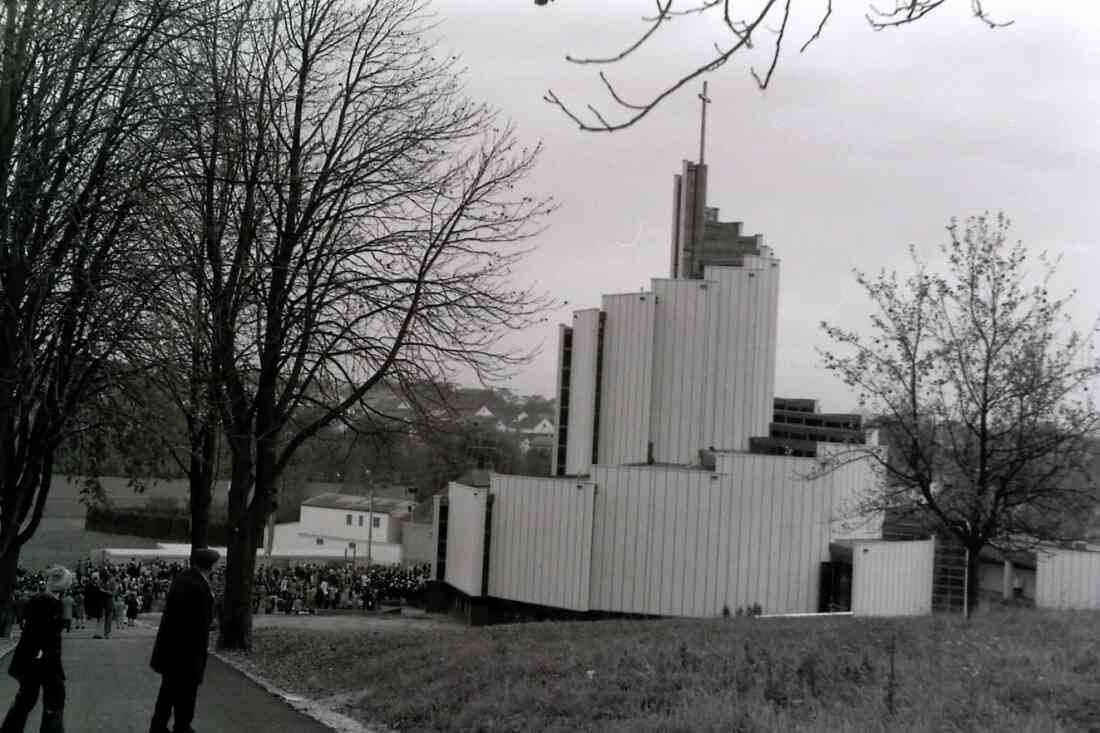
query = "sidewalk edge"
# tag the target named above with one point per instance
(325, 716)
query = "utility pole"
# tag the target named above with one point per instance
(370, 530)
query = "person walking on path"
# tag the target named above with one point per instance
(36, 662)
(179, 654)
(67, 611)
(108, 593)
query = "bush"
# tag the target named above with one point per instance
(147, 521)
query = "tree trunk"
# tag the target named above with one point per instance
(201, 485)
(246, 522)
(200, 512)
(8, 565)
(235, 631)
(973, 579)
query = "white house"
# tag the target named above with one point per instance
(344, 525)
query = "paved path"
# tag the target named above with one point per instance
(111, 689)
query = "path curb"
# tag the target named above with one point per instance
(325, 716)
(322, 714)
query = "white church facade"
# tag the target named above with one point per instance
(682, 486)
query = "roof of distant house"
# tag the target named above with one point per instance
(350, 503)
(380, 489)
(531, 422)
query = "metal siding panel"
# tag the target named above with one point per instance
(775, 537)
(1068, 579)
(802, 496)
(582, 391)
(679, 545)
(628, 358)
(742, 352)
(705, 560)
(739, 558)
(603, 535)
(573, 556)
(562, 328)
(623, 483)
(758, 513)
(627, 568)
(668, 541)
(634, 579)
(717, 537)
(892, 578)
(465, 538)
(599, 543)
(732, 526)
(545, 557)
(680, 370)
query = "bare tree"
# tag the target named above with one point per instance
(346, 217)
(983, 387)
(79, 132)
(742, 25)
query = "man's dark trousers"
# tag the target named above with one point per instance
(176, 695)
(53, 701)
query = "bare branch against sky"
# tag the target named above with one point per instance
(741, 25)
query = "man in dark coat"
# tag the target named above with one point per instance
(36, 661)
(179, 654)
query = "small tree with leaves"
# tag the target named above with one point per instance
(983, 387)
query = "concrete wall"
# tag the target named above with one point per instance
(892, 578)
(1067, 579)
(541, 548)
(417, 543)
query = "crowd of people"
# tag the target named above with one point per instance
(51, 600)
(306, 588)
(109, 594)
(105, 595)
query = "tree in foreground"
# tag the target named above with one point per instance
(79, 142)
(983, 389)
(346, 220)
(738, 28)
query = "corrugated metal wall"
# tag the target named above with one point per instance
(892, 578)
(685, 542)
(1067, 579)
(541, 550)
(563, 330)
(627, 379)
(854, 482)
(466, 537)
(743, 306)
(680, 358)
(582, 391)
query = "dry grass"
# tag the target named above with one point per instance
(1013, 671)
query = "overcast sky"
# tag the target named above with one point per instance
(866, 143)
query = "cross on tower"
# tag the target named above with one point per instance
(703, 124)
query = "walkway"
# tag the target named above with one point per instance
(111, 690)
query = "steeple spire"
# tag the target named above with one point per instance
(703, 123)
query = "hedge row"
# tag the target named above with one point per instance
(146, 522)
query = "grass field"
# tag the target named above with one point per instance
(65, 541)
(1020, 670)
